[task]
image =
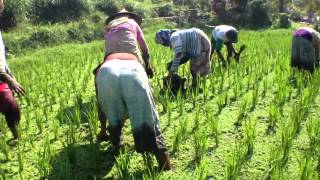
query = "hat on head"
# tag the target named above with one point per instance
(124, 12)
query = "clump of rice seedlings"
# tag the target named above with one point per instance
(44, 157)
(250, 135)
(200, 144)
(20, 160)
(222, 102)
(201, 171)
(180, 135)
(214, 126)
(248, 83)
(205, 91)
(180, 103)
(306, 168)
(122, 165)
(265, 84)
(221, 82)
(4, 147)
(255, 98)
(242, 113)
(234, 162)
(55, 129)
(285, 146)
(296, 116)
(165, 100)
(275, 170)
(2, 174)
(39, 124)
(274, 116)
(236, 90)
(197, 118)
(313, 130)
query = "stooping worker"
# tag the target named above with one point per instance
(123, 88)
(305, 53)
(8, 85)
(189, 44)
(224, 35)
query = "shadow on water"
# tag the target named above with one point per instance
(91, 161)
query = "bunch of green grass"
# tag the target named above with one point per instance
(4, 148)
(313, 131)
(201, 144)
(235, 162)
(123, 165)
(180, 135)
(242, 113)
(201, 171)
(307, 170)
(250, 135)
(274, 116)
(214, 126)
(255, 98)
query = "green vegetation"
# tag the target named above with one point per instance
(222, 132)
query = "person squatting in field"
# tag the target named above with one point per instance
(8, 84)
(123, 88)
(305, 52)
(187, 44)
(226, 35)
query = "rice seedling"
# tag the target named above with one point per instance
(214, 126)
(242, 113)
(307, 170)
(274, 116)
(200, 144)
(313, 130)
(234, 162)
(122, 165)
(44, 156)
(275, 170)
(250, 135)
(201, 171)
(4, 148)
(180, 135)
(255, 98)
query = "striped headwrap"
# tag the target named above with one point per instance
(163, 36)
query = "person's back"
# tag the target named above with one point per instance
(305, 52)
(121, 37)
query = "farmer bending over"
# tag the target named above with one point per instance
(123, 88)
(305, 53)
(187, 44)
(226, 35)
(8, 84)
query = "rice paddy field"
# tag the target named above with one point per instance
(258, 119)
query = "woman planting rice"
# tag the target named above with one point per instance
(187, 44)
(123, 89)
(8, 84)
(226, 35)
(305, 53)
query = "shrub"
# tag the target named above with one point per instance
(48, 11)
(283, 21)
(165, 10)
(43, 38)
(257, 14)
(108, 7)
(13, 11)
